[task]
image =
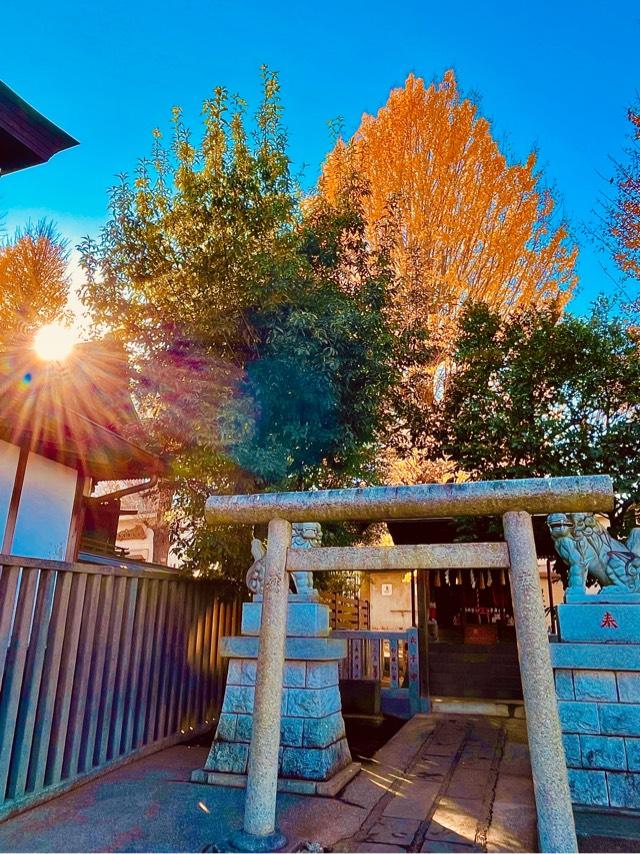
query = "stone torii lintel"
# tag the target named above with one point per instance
(589, 493)
(388, 558)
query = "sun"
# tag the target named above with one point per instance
(54, 342)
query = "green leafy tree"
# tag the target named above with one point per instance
(258, 364)
(532, 395)
(321, 389)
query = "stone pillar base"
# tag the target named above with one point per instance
(327, 788)
(314, 756)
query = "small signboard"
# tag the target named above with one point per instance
(387, 589)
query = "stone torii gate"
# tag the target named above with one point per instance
(515, 501)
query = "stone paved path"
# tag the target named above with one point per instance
(468, 788)
(442, 783)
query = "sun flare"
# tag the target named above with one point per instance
(54, 342)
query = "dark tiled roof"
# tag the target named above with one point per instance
(26, 136)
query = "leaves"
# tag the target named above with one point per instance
(461, 223)
(624, 216)
(34, 285)
(533, 397)
(264, 350)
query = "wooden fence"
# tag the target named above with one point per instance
(98, 664)
(347, 612)
(390, 658)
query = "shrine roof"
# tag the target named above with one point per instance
(27, 138)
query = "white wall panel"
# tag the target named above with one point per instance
(45, 509)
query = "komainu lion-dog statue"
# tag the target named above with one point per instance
(588, 549)
(305, 535)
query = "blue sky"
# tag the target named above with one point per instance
(557, 76)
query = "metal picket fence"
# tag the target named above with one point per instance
(99, 664)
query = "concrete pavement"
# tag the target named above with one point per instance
(442, 783)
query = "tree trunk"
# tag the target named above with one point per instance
(161, 538)
(161, 544)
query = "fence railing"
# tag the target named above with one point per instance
(347, 612)
(390, 658)
(98, 663)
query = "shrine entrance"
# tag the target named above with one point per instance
(471, 649)
(515, 501)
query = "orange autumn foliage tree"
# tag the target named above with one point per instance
(34, 284)
(465, 224)
(624, 216)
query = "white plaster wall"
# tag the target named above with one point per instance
(138, 548)
(392, 613)
(9, 455)
(45, 509)
(142, 547)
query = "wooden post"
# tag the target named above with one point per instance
(413, 598)
(413, 668)
(394, 681)
(423, 637)
(356, 664)
(12, 514)
(15, 669)
(375, 660)
(552, 613)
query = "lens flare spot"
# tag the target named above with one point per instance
(54, 342)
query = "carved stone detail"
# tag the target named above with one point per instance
(305, 535)
(588, 549)
(255, 574)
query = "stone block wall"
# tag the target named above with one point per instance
(312, 735)
(600, 718)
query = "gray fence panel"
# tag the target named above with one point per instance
(98, 663)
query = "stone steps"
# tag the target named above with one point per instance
(471, 706)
